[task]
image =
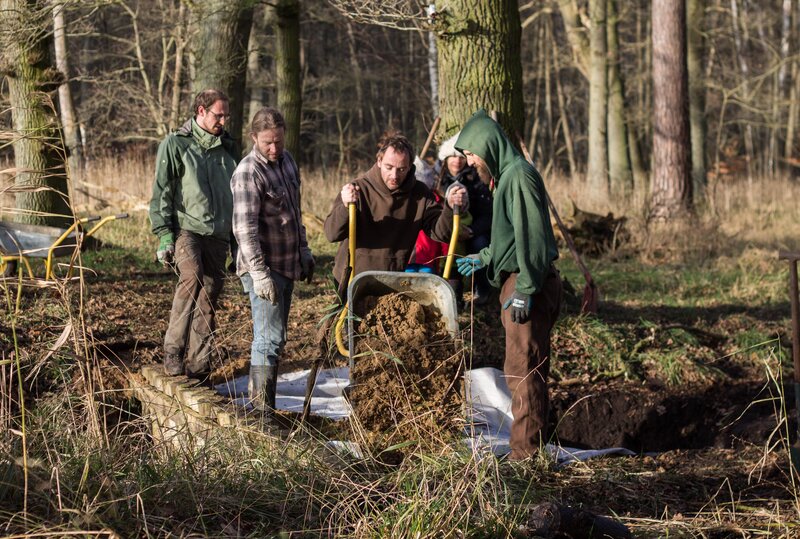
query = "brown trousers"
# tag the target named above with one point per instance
(527, 364)
(201, 274)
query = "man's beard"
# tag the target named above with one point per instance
(484, 174)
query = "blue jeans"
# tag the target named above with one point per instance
(269, 321)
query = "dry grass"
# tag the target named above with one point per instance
(735, 215)
(86, 480)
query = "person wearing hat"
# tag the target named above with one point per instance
(477, 225)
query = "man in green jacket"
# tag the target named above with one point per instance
(191, 213)
(519, 261)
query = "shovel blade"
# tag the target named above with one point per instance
(590, 299)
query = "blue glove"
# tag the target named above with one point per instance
(469, 264)
(520, 307)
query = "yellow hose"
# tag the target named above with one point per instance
(351, 248)
(451, 249)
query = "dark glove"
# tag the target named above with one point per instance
(166, 250)
(520, 307)
(307, 265)
(469, 264)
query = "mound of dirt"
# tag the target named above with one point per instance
(407, 373)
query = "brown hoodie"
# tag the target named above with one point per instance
(387, 223)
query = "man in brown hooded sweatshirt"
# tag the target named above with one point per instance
(392, 207)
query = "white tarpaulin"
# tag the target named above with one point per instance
(488, 410)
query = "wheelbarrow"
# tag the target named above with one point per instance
(20, 242)
(426, 289)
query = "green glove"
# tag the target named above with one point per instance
(166, 250)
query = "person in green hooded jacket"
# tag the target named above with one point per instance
(519, 261)
(191, 212)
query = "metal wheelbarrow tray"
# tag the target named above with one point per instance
(20, 242)
(424, 288)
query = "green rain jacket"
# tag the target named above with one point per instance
(522, 238)
(192, 189)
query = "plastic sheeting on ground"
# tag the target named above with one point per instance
(488, 409)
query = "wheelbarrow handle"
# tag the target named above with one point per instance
(91, 219)
(121, 216)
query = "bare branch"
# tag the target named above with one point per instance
(397, 14)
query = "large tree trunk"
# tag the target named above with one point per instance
(288, 70)
(597, 170)
(38, 145)
(479, 62)
(219, 50)
(697, 121)
(672, 186)
(619, 162)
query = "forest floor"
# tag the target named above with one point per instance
(686, 365)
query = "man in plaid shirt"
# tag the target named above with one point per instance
(273, 251)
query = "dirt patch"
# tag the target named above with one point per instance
(406, 374)
(646, 419)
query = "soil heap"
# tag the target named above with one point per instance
(406, 374)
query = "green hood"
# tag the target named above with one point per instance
(485, 138)
(522, 238)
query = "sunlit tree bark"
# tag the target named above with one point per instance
(479, 62)
(672, 186)
(597, 171)
(39, 155)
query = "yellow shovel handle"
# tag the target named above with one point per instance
(451, 249)
(351, 247)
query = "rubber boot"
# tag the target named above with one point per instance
(262, 387)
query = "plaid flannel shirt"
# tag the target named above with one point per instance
(267, 222)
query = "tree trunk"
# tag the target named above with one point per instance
(479, 62)
(619, 162)
(69, 122)
(220, 53)
(694, 17)
(597, 171)
(672, 186)
(576, 35)
(562, 108)
(39, 154)
(287, 69)
(745, 89)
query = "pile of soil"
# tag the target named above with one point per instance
(407, 373)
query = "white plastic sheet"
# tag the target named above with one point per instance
(488, 407)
